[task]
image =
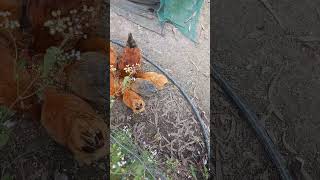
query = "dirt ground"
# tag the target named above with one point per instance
(269, 63)
(186, 61)
(168, 126)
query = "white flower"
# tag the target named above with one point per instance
(54, 14)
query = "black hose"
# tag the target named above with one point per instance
(204, 128)
(252, 118)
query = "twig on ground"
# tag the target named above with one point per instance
(269, 8)
(194, 65)
(286, 145)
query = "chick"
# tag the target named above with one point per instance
(143, 87)
(158, 80)
(133, 101)
(73, 123)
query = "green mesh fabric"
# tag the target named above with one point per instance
(184, 14)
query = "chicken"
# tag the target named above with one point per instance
(72, 122)
(113, 57)
(96, 44)
(133, 101)
(87, 78)
(157, 79)
(143, 87)
(115, 86)
(74, 17)
(131, 57)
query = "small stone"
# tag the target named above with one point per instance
(249, 66)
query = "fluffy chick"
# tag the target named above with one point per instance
(73, 123)
(133, 101)
(157, 79)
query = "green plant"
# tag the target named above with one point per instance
(193, 172)
(171, 165)
(128, 160)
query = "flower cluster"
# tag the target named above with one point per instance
(132, 69)
(75, 24)
(6, 22)
(73, 54)
(112, 68)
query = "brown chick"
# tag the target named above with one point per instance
(133, 101)
(87, 78)
(96, 44)
(157, 79)
(115, 86)
(143, 87)
(131, 56)
(73, 123)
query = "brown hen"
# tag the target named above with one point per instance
(73, 123)
(131, 57)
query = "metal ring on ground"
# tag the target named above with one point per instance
(260, 131)
(204, 128)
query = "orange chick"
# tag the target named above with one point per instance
(133, 101)
(157, 79)
(73, 123)
(131, 57)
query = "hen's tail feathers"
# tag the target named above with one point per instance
(131, 43)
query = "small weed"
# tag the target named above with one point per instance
(193, 172)
(172, 164)
(128, 161)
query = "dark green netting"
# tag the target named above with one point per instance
(184, 14)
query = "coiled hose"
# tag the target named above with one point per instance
(204, 128)
(252, 118)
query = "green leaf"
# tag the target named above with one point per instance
(125, 83)
(50, 58)
(5, 114)
(21, 64)
(193, 172)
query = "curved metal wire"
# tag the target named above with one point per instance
(204, 128)
(252, 119)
